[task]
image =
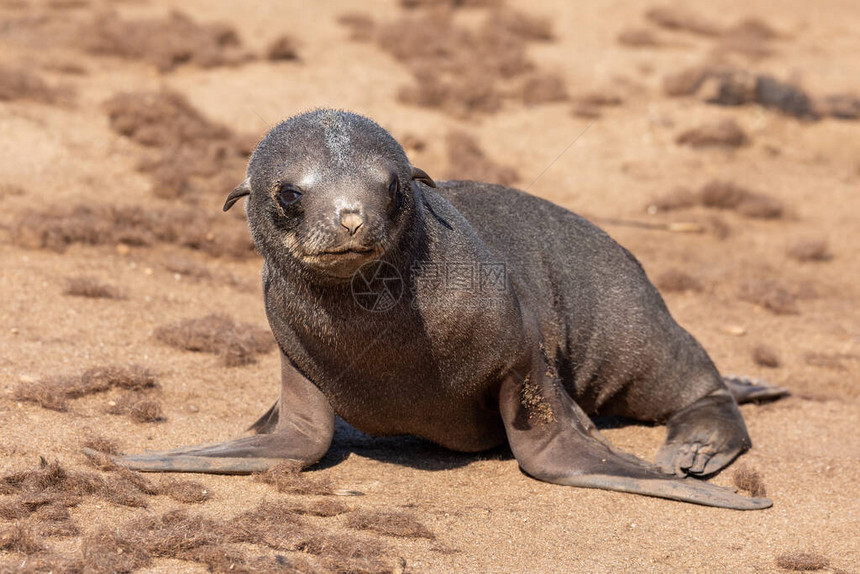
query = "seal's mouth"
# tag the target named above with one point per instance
(348, 250)
(343, 260)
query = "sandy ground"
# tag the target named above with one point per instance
(607, 148)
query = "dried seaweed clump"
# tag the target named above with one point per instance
(810, 250)
(802, 561)
(287, 477)
(679, 198)
(282, 48)
(542, 89)
(54, 392)
(749, 480)
(57, 228)
(191, 154)
(276, 525)
(140, 410)
(727, 195)
(638, 38)
(770, 295)
(22, 84)
(325, 507)
(101, 444)
(52, 485)
(765, 356)
(734, 87)
(399, 524)
(165, 42)
(459, 69)
(591, 105)
(91, 288)
(680, 20)
(185, 491)
(721, 194)
(236, 343)
(20, 538)
(724, 133)
(675, 280)
(466, 160)
(832, 361)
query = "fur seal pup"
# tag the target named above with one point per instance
(512, 320)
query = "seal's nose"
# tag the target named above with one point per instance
(352, 221)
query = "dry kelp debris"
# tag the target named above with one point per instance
(678, 198)
(726, 86)
(675, 280)
(282, 48)
(52, 485)
(92, 288)
(140, 410)
(750, 481)
(721, 194)
(185, 491)
(841, 106)
(750, 37)
(399, 524)
(765, 356)
(810, 250)
(802, 561)
(724, 133)
(450, 4)
(739, 87)
(680, 20)
(236, 343)
(591, 105)
(541, 88)
(638, 38)
(770, 294)
(22, 84)
(54, 392)
(20, 538)
(101, 444)
(191, 155)
(57, 228)
(164, 42)
(727, 195)
(466, 160)
(299, 546)
(288, 477)
(832, 361)
(325, 507)
(459, 69)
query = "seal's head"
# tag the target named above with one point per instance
(329, 190)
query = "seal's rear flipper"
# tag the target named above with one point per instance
(553, 440)
(750, 390)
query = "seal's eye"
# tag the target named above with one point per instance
(287, 195)
(393, 187)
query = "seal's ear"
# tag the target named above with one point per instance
(241, 191)
(421, 175)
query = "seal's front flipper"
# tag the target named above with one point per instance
(750, 390)
(301, 425)
(240, 456)
(553, 440)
